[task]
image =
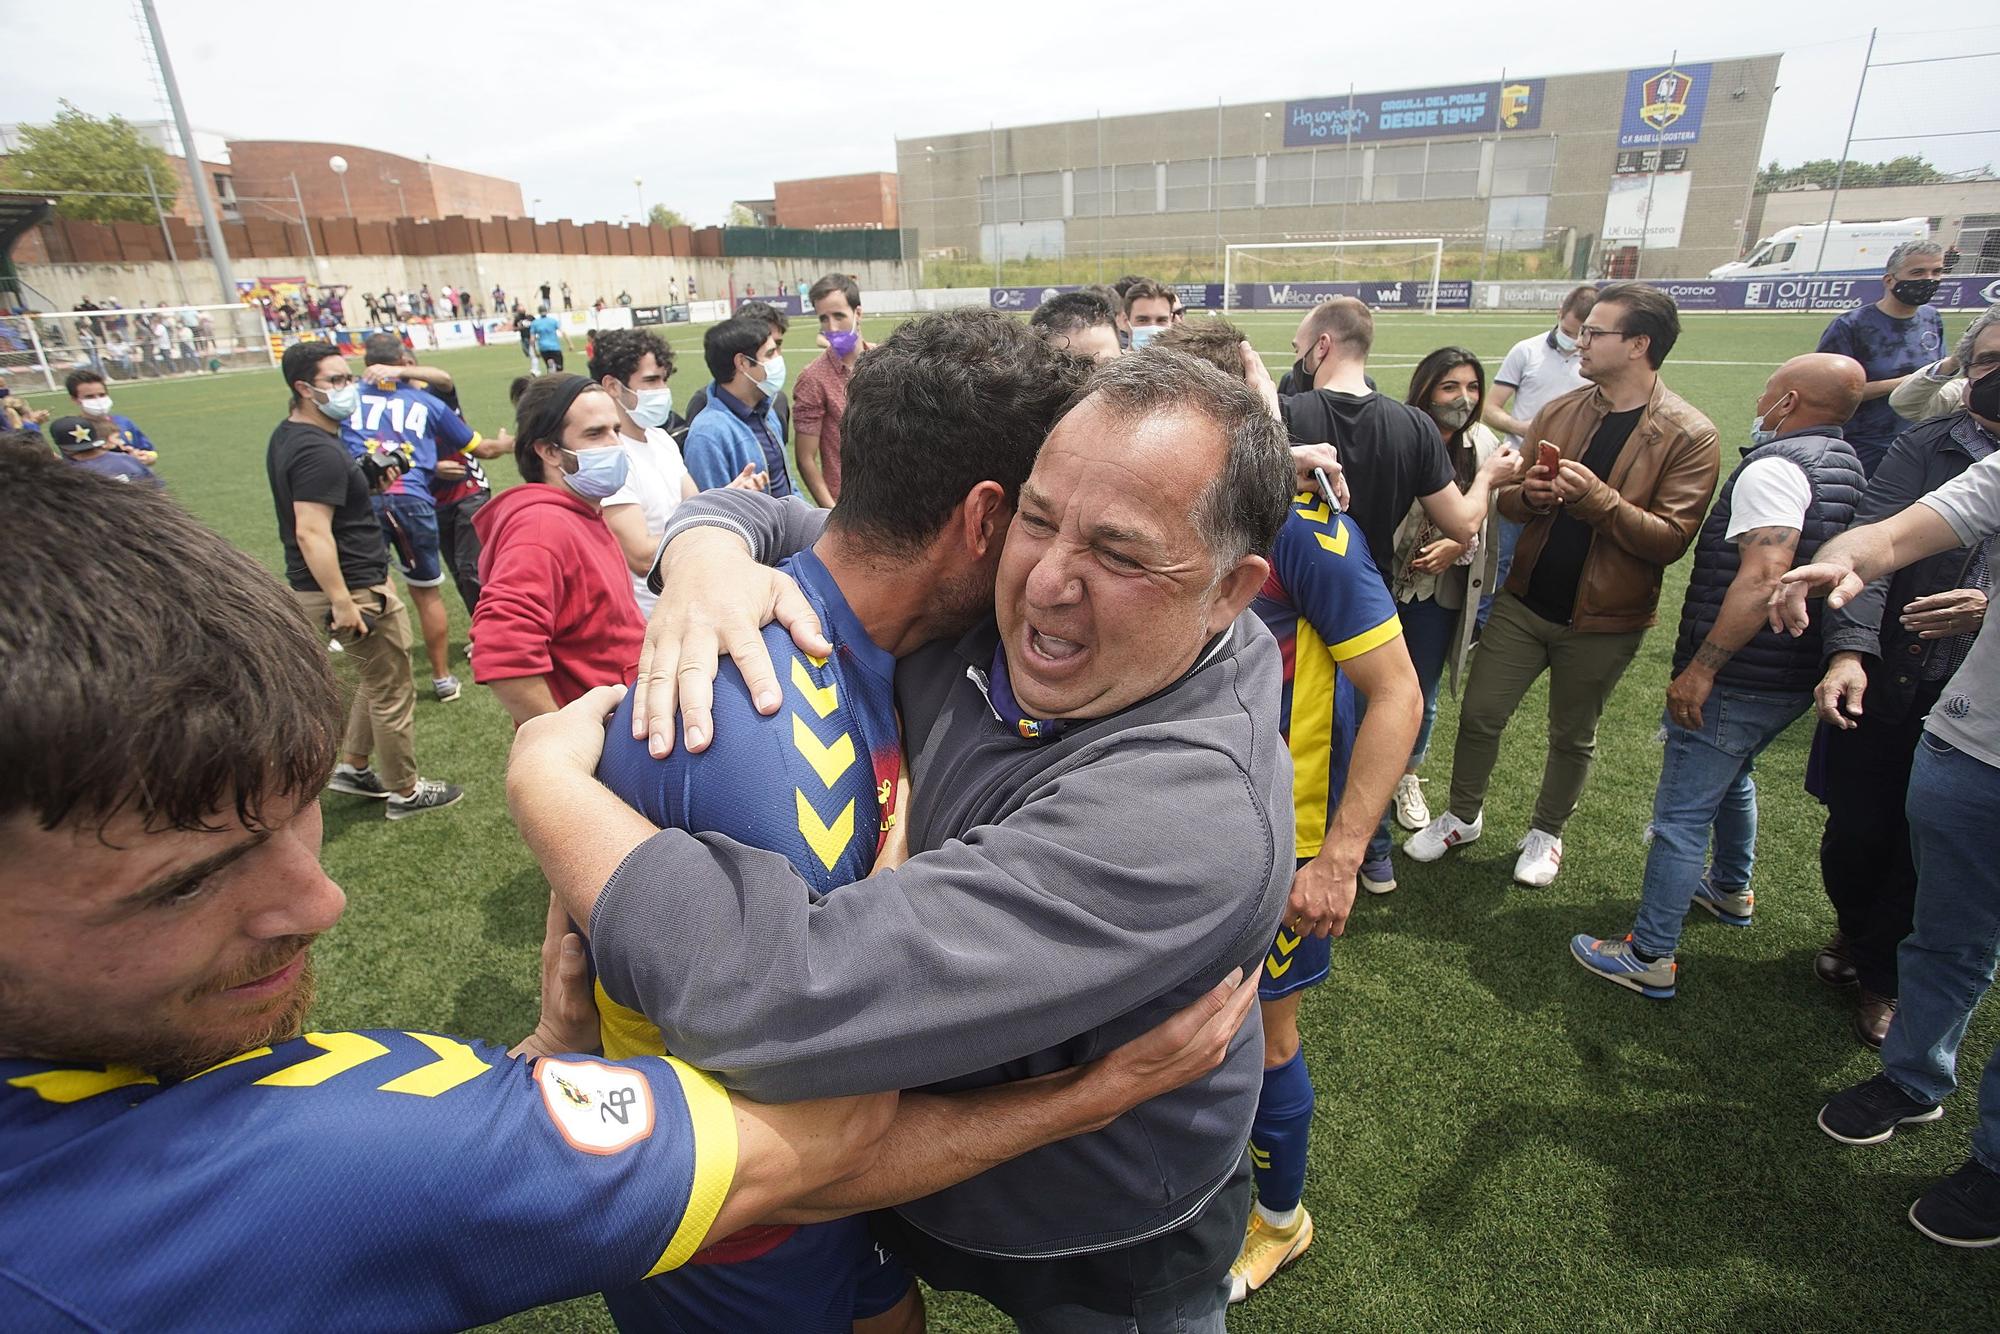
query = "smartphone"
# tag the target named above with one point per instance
(1326, 490)
(366, 620)
(1548, 456)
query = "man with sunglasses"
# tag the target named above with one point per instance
(1624, 500)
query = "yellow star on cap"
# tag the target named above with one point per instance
(79, 433)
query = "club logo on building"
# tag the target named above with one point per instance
(1516, 100)
(1663, 99)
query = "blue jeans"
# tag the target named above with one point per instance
(1506, 535)
(1705, 786)
(1428, 630)
(1946, 962)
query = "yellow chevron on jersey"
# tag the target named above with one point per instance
(826, 841)
(66, 1086)
(824, 699)
(828, 761)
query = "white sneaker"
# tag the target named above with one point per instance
(1541, 857)
(1412, 811)
(1441, 836)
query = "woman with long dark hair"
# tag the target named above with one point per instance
(1437, 583)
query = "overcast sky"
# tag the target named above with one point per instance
(574, 108)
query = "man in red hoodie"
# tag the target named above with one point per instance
(555, 615)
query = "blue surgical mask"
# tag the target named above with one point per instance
(654, 406)
(341, 403)
(600, 473)
(1564, 341)
(1760, 434)
(774, 374)
(1145, 334)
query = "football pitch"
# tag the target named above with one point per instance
(1501, 1141)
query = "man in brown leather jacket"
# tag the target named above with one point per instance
(1637, 470)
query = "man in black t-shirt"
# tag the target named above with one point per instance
(338, 567)
(1391, 452)
(1626, 496)
(522, 321)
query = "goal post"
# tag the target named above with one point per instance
(1421, 260)
(125, 344)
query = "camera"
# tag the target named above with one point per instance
(385, 460)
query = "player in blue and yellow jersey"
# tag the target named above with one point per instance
(397, 418)
(1336, 624)
(173, 1154)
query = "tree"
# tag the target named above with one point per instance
(1910, 169)
(662, 216)
(740, 216)
(107, 158)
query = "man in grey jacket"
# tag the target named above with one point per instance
(1101, 822)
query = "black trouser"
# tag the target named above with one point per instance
(1864, 852)
(459, 545)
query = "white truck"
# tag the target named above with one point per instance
(1839, 248)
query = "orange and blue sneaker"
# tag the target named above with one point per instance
(1731, 907)
(1615, 961)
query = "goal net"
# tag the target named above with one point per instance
(1276, 273)
(149, 343)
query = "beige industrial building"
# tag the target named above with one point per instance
(1577, 165)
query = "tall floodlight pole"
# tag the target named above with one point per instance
(993, 192)
(166, 232)
(1486, 232)
(305, 226)
(211, 223)
(1846, 145)
(1652, 180)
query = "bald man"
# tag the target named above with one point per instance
(1737, 683)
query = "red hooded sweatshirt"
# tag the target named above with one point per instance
(555, 594)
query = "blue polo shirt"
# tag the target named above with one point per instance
(727, 434)
(1886, 347)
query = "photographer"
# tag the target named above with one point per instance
(338, 568)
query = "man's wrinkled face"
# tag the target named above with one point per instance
(1106, 592)
(169, 951)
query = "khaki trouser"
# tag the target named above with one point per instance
(1516, 647)
(383, 717)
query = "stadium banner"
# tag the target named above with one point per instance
(1663, 106)
(1453, 294)
(1647, 209)
(1807, 292)
(1474, 108)
(790, 304)
(1025, 298)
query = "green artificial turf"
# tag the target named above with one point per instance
(1501, 1141)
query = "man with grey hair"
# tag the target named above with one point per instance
(1894, 336)
(1101, 827)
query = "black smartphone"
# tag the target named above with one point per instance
(366, 619)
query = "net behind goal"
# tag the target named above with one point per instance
(1281, 273)
(150, 343)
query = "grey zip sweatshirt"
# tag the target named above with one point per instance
(1066, 894)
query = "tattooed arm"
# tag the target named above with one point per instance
(1764, 554)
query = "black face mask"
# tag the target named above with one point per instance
(1982, 397)
(1915, 291)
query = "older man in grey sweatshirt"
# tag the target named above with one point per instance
(1101, 825)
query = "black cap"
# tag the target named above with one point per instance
(73, 435)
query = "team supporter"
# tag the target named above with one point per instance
(524, 328)
(338, 568)
(556, 615)
(396, 418)
(736, 435)
(1536, 371)
(1947, 963)
(779, 324)
(1891, 654)
(1439, 584)
(1738, 683)
(93, 399)
(1896, 334)
(88, 445)
(1079, 322)
(168, 1140)
(1119, 687)
(550, 340)
(1637, 468)
(634, 365)
(821, 394)
(458, 485)
(1149, 311)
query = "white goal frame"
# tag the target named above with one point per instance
(1435, 242)
(238, 331)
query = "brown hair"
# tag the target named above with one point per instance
(1650, 313)
(1215, 341)
(224, 699)
(1347, 320)
(541, 404)
(1147, 290)
(835, 282)
(1578, 302)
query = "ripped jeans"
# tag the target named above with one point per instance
(1706, 787)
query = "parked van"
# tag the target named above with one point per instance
(1849, 248)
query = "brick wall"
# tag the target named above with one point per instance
(868, 199)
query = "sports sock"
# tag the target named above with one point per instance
(1642, 956)
(1278, 1137)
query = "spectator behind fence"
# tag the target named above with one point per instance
(1891, 337)
(338, 568)
(1738, 684)
(1638, 465)
(1891, 654)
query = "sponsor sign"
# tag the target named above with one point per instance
(1453, 294)
(787, 302)
(1421, 113)
(1647, 209)
(1026, 298)
(1663, 106)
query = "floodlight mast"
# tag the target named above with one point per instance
(218, 251)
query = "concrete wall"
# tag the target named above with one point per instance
(941, 174)
(648, 278)
(1949, 202)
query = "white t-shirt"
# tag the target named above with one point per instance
(653, 483)
(1770, 493)
(1540, 372)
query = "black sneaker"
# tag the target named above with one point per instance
(356, 782)
(1963, 1209)
(1869, 1112)
(431, 795)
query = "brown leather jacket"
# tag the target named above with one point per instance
(1646, 513)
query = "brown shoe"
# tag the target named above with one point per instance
(1872, 1016)
(1832, 964)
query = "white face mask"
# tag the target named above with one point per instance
(1564, 341)
(651, 407)
(100, 406)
